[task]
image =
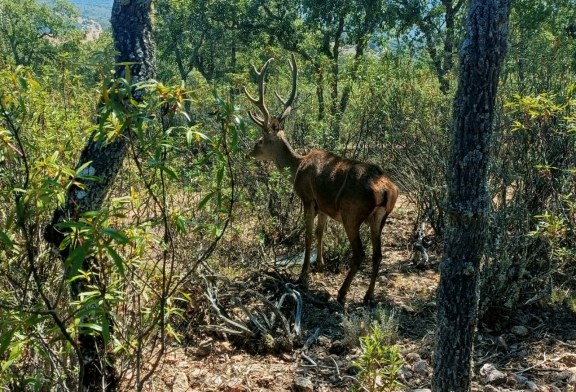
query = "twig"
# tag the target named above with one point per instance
(219, 328)
(337, 368)
(532, 367)
(298, 299)
(306, 357)
(357, 382)
(311, 339)
(210, 297)
(573, 346)
(250, 315)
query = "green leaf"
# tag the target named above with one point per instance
(220, 175)
(23, 83)
(116, 257)
(5, 341)
(198, 136)
(81, 168)
(170, 172)
(14, 355)
(92, 326)
(181, 224)
(91, 214)
(6, 240)
(76, 258)
(72, 225)
(105, 328)
(205, 200)
(117, 235)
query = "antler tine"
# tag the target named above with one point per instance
(263, 121)
(288, 103)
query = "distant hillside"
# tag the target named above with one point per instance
(98, 10)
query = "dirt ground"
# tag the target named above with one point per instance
(531, 349)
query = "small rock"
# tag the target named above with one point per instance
(491, 375)
(286, 357)
(568, 375)
(405, 374)
(180, 383)
(204, 350)
(568, 360)
(531, 386)
(519, 330)
(421, 368)
(521, 380)
(324, 341)
(511, 381)
(490, 388)
(554, 388)
(353, 370)
(412, 357)
(337, 348)
(303, 384)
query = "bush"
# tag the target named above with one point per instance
(379, 363)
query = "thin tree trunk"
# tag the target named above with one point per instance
(360, 49)
(334, 107)
(468, 206)
(132, 32)
(320, 90)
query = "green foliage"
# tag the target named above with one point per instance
(34, 123)
(541, 31)
(188, 185)
(33, 33)
(532, 240)
(379, 363)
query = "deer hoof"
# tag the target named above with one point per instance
(369, 302)
(303, 281)
(319, 267)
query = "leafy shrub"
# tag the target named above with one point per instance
(531, 243)
(379, 363)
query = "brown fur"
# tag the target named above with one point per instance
(345, 190)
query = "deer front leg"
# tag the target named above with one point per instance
(309, 215)
(320, 226)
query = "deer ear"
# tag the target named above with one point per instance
(275, 126)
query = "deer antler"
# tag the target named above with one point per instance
(264, 121)
(288, 103)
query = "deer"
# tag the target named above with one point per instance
(328, 185)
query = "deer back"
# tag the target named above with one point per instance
(338, 185)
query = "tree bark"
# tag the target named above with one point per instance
(132, 33)
(468, 206)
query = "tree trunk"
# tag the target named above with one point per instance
(468, 206)
(334, 107)
(132, 32)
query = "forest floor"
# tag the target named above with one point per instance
(527, 349)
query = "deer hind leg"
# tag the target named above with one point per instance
(358, 255)
(320, 226)
(309, 215)
(376, 222)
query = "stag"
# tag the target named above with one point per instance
(345, 190)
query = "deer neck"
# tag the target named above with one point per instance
(286, 157)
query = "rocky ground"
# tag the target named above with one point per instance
(533, 349)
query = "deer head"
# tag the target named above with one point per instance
(272, 144)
